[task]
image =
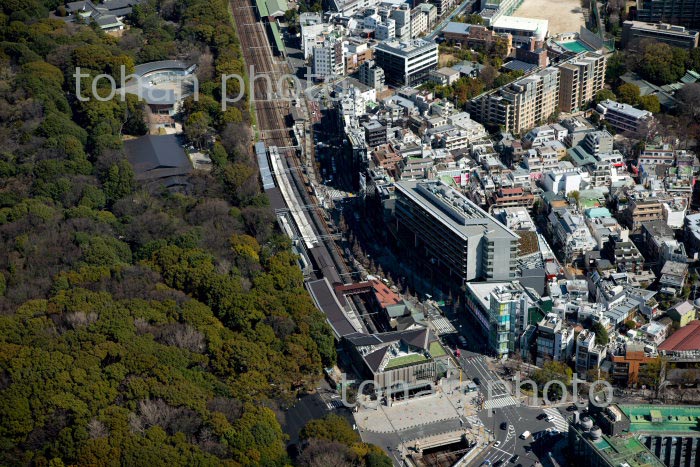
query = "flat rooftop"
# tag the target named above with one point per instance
(413, 46)
(663, 418)
(626, 451)
(453, 209)
(519, 23)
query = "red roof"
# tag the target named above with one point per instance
(511, 191)
(385, 296)
(686, 338)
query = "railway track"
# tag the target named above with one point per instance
(272, 112)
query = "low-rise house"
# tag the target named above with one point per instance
(682, 313)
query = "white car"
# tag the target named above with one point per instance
(496, 444)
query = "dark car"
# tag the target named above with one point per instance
(504, 426)
(542, 416)
(514, 459)
(477, 381)
(498, 463)
(572, 407)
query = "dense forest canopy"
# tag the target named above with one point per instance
(139, 327)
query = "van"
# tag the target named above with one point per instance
(525, 435)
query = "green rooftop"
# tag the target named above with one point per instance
(404, 360)
(262, 8)
(449, 181)
(436, 350)
(627, 450)
(665, 418)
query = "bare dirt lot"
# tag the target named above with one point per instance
(563, 15)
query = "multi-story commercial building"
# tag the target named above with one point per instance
(312, 26)
(520, 105)
(555, 340)
(627, 361)
(458, 240)
(419, 21)
(406, 63)
(681, 12)
(328, 59)
(677, 36)
(669, 431)
(375, 133)
(371, 75)
(581, 79)
(625, 118)
(503, 311)
(589, 355)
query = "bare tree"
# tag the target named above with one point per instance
(97, 429)
(689, 97)
(326, 454)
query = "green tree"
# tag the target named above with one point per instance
(628, 93)
(119, 181)
(601, 334)
(662, 64)
(330, 428)
(650, 103)
(604, 94)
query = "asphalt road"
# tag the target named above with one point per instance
(501, 408)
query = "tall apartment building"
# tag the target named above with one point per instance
(520, 105)
(680, 12)
(423, 18)
(581, 79)
(328, 59)
(406, 63)
(458, 240)
(371, 75)
(677, 36)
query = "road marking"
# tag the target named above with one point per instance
(499, 402)
(559, 421)
(334, 404)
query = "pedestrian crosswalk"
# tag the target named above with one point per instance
(443, 326)
(334, 404)
(559, 422)
(498, 402)
(335, 194)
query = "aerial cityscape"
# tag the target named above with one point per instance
(370, 233)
